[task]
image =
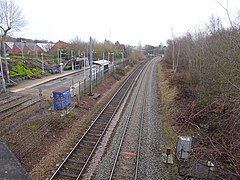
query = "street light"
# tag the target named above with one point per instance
(61, 52)
(59, 55)
(42, 63)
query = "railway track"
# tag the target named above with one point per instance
(76, 162)
(10, 106)
(8, 100)
(126, 164)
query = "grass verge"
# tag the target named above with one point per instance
(168, 110)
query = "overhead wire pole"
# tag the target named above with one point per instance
(5, 61)
(84, 72)
(123, 56)
(91, 59)
(3, 80)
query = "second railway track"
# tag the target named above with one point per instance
(126, 161)
(76, 162)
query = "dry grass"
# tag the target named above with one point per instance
(168, 108)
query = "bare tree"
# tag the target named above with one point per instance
(11, 17)
(226, 9)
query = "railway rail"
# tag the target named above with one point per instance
(127, 168)
(76, 162)
(8, 100)
(16, 104)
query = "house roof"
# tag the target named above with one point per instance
(45, 46)
(10, 44)
(19, 45)
(31, 46)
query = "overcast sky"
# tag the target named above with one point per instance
(128, 21)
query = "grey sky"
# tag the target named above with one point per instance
(128, 21)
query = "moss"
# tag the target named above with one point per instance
(71, 116)
(34, 126)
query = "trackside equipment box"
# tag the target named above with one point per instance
(61, 98)
(184, 145)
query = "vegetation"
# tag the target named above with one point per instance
(67, 67)
(79, 47)
(34, 126)
(71, 116)
(168, 108)
(11, 18)
(210, 62)
(135, 56)
(21, 70)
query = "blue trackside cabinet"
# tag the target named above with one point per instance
(61, 98)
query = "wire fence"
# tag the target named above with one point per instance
(98, 76)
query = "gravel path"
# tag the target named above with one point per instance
(150, 166)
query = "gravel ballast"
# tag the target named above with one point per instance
(152, 145)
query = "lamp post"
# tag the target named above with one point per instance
(42, 63)
(59, 55)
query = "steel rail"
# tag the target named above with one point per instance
(15, 105)
(19, 109)
(9, 99)
(140, 136)
(95, 129)
(125, 131)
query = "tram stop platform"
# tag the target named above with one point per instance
(10, 168)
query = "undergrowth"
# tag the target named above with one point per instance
(168, 108)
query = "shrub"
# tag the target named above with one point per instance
(21, 70)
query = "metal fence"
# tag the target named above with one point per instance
(83, 87)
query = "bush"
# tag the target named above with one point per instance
(21, 70)
(67, 67)
(120, 71)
